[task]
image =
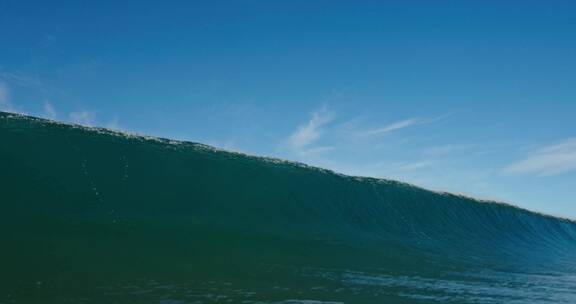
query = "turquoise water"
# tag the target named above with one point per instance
(94, 216)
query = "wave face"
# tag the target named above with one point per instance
(94, 216)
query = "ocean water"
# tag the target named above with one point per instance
(95, 216)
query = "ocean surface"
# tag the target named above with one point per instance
(89, 215)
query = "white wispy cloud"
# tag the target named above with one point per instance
(22, 80)
(86, 118)
(49, 110)
(547, 161)
(402, 124)
(5, 104)
(114, 124)
(304, 137)
(393, 127)
(5, 99)
(414, 165)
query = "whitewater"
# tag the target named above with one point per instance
(89, 215)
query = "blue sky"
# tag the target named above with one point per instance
(473, 97)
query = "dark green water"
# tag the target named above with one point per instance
(93, 216)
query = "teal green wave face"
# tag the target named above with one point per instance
(93, 216)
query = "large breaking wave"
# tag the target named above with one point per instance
(95, 216)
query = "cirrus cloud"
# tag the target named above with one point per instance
(302, 139)
(547, 161)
